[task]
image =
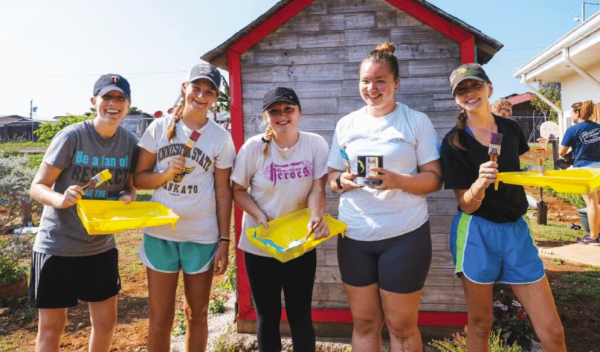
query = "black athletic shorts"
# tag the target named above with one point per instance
(399, 264)
(60, 282)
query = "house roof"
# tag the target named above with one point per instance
(10, 119)
(519, 98)
(487, 47)
(582, 44)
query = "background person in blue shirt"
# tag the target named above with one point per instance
(584, 139)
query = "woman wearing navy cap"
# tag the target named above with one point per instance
(278, 173)
(69, 265)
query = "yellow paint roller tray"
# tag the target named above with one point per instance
(576, 181)
(283, 238)
(101, 217)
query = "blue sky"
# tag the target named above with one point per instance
(54, 50)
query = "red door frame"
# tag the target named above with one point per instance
(467, 42)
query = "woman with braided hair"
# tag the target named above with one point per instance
(490, 237)
(386, 253)
(275, 174)
(584, 138)
(196, 187)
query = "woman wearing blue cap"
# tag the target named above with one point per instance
(69, 265)
(490, 237)
(277, 173)
(196, 187)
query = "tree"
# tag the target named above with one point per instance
(134, 111)
(47, 131)
(223, 101)
(552, 92)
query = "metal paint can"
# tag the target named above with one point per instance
(364, 165)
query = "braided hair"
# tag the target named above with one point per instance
(172, 130)
(461, 123)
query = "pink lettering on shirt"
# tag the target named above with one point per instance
(287, 173)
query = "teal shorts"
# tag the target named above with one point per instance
(171, 257)
(486, 252)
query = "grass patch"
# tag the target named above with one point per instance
(6, 346)
(554, 231)
(132, 269)
(580, 286)
(144, 195)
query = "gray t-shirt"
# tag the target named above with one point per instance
(81, 153)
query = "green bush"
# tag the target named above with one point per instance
(574, 199)
(34, 160)
(47, 131)
(15, 180)
(10, 271)
(459, 343)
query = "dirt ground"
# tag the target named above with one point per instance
(18, 329)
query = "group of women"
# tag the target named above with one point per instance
(385, 255)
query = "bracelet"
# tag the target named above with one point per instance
(226, 239)
(473, 195)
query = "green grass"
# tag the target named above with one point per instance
(580, 286)
(554, 231)
(133, 269)
(144, 195)
(6, 347)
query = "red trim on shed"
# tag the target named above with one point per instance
(467, 42)
(344, 316)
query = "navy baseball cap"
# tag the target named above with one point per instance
(280, 94)
(467, 71)
(112, 81)
(206, 71)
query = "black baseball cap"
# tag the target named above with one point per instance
(467, 71)
(112, 81)
(280, 94)
(206, 71)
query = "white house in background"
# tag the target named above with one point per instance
(574, 61)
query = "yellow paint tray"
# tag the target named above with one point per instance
(575, 181)
(102, 217)
(283, 231)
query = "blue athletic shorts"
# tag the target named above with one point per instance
(486, 252)
(170, 256)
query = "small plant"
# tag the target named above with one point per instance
(217, 302)
(10, 271)
(15, 180)
(459, 343)
(510, 318)
(180, 324)
(222, 345)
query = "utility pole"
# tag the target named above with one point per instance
(583, 3)
(32, 109)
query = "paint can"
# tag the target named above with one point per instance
(364, 164)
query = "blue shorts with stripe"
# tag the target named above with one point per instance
(486, 252)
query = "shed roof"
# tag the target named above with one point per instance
(520, 98)
(487, 47)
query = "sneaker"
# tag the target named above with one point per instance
(588, 240)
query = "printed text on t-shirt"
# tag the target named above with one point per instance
(287, 172)
(589, 137)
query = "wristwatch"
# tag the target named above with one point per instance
(338, 182)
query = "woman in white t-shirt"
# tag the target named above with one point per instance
(386, 253)
(275, 174)
(196, 187)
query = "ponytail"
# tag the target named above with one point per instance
(267, 140)
(587, 110)
(172, 130)
(454, 138)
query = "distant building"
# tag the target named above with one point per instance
(574, 61)
(137, 123)
(526, 115)
(15, 126)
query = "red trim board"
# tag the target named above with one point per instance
(344, 316)
(467, 41)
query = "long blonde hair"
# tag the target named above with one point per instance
(172, 130)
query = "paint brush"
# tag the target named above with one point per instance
(98, 179)
(346, 160)
(299, 242)
(191, 142)
(495, 145)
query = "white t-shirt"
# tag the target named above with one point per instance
(281, 182)
(191, 195)
(406, 139)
